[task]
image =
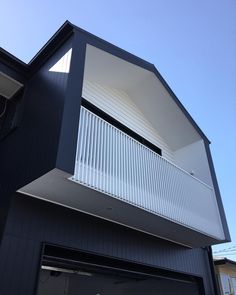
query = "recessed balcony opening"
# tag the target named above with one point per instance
(137, 98)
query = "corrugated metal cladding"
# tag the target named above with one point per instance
(121, 107)
(33, 221)
(31, 150)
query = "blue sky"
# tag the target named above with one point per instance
(192, 43)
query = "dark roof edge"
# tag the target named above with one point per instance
(13, 62)
(61, 35)
(180, 105)
(224, 261)
(139, 61)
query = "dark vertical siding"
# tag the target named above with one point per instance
(71, 113)
(217, 193)
(30, 150)
(6, 124)
(32, 222)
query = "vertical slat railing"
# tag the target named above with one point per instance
(114, 163)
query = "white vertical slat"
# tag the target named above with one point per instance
(88, 148)
(135, 171)
(114, 163)
(80, 137)
(148, 177)
(101, 157)
(133, 175)
(104, 139)
(83, 146)
(118, 165)
(122, 166)
(95, 155)
(107, 159)
(92, 149)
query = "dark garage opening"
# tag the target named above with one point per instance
(63, 275)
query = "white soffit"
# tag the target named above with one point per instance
(163, 113)
(55, 187)
(8, 86)
(146, 91)
(107, 69)
(63, 64)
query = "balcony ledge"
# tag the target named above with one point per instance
(56, 187)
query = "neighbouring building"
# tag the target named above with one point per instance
(107, 184)
(226, 275)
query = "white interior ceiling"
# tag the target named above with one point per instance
(147, 92)
(8, 86)
(105, 68)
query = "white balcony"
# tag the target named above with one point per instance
(115, 164)
(119, 179)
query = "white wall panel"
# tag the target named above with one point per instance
(121, 107)
(193, 159)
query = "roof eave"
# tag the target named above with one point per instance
(13, 62)
(224, 261)
(180, 105)
(61, 35)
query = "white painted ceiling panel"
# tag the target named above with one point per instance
(8, 86)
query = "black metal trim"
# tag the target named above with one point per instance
(56, 41)
(217, 193)
(91, 107)
(61, 256)
(40, 260)
(179, 104)
(13, 62)
(113, 49)
(71, 112)
(59, 38)
(212, 268)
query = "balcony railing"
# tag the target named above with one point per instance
(114, 163)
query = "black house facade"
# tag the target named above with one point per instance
(106, 182)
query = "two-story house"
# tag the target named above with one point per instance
(226, 275)
(107, 183)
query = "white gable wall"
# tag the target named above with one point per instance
(193, 159)
(120, 106)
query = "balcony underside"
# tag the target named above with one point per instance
(57, 188)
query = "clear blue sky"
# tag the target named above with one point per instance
(192, 43)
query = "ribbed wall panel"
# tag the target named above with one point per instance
(112, 162)
(121, 107)
(41, 221)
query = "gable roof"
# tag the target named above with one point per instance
(63, 33)
(223, 261)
